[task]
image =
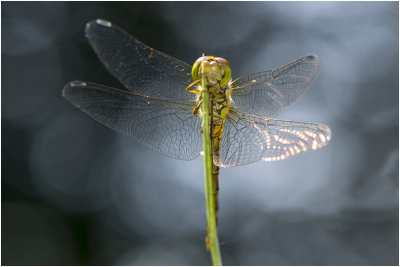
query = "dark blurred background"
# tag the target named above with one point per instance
(76, 193)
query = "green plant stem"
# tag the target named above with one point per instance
(211, 217)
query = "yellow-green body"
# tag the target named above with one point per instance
(216, 72)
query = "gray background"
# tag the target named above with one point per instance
(74, 192)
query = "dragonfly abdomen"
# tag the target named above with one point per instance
(219, 108)
(216, 137)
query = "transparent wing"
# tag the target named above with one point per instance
(248, 138)
(267, 93)
(162, 124)
(141, 69)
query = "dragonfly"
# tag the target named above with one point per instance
(160, 104)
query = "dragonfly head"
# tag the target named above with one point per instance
(216, 69)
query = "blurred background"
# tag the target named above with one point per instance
(76, 193)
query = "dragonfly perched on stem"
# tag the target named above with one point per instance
(160, 106)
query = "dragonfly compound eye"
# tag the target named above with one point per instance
(226, 68)
(196, 68)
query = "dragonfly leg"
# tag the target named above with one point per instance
(196, 90)
(197, 106)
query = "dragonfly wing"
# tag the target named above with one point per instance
(248, 138)
(268, 92)
(164, 125)
(141, 69)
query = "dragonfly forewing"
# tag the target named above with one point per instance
(164, 125)
(140, 68)
(248, 138)
(267, 93)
